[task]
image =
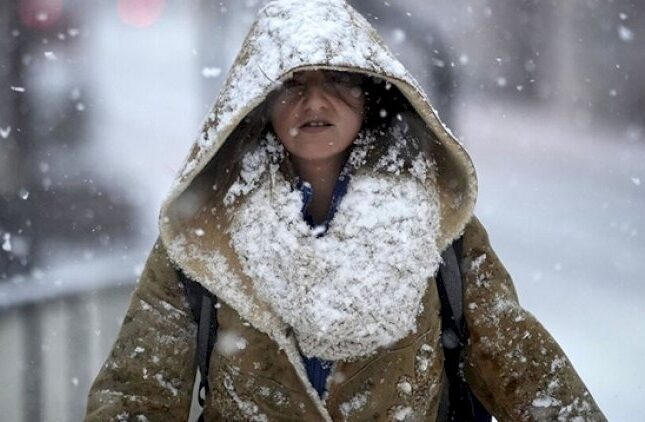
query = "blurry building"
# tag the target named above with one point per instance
(48, 199)
(581, 57)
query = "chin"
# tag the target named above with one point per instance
(316, 155)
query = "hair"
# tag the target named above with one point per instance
(383, 102)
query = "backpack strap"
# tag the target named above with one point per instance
(450, 286)
(458, 402)
(204, 307)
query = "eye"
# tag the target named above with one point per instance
(291, 83)
(345, 79)
(339, 78)
(291, 88)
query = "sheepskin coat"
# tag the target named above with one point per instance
(513, 365)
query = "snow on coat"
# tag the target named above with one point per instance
(393, 371)
(358, 287)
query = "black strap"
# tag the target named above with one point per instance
(450, 286)
(458, 401)
(203, 305)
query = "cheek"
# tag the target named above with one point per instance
(357, 113)
(278, 116)
(279, 121)
(356, 103)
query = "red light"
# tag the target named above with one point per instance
(40, 14)
(140, 13)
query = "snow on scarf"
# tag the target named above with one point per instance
(358, 287)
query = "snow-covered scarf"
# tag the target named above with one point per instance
(358, 287)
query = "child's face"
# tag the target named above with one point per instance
(318, 114)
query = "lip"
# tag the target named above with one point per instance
(314, 129)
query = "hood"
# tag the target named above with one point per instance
(288, 36)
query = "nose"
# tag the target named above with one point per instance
(314, 96)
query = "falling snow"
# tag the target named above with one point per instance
(211, 72)
(5, 132)
(625, 33)
(6, 242)
(510, 208)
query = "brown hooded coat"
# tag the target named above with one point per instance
(513, 365)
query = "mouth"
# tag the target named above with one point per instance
(313, 127)
(316, 124)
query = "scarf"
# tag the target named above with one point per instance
(355, 289)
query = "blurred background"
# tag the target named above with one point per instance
(101, 100)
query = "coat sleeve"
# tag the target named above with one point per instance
(514, 366)
(150, 372)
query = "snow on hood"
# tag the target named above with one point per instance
(288, 36)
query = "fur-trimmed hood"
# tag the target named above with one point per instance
(288, 36)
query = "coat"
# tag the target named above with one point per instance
(514, 367)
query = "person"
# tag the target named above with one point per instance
(315, 205)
